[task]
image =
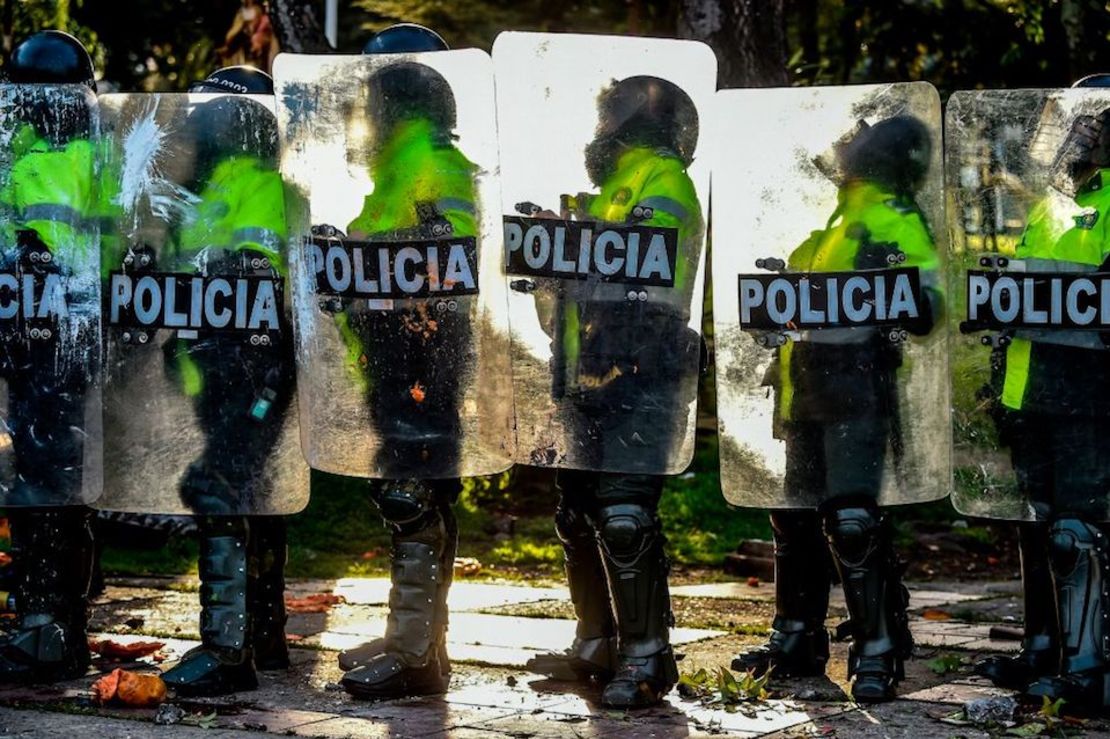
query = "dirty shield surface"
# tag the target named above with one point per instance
(830, 341)
(391, 167)
(1028, 175)
(605, 195)
(50, 429)
(199, 399)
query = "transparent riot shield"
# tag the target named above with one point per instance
(605, 197)
(390, 162)
(1028, 175)
(828, 299)
(50, 427)
(199, 396)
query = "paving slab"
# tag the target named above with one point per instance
(463, 596)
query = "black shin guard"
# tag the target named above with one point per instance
(1040, 647)
(223, 663)
(636, 568)
(53, 551)
(1080, 554)
(862, 547)
(594, 650)
(269, 553)
(411, 658)
(799, 642)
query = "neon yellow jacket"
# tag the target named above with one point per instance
(654, 178)
(242, 206)
(866, 215)
(50, 190)
(416, 165)
(1077, 233)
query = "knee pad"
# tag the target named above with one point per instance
(627, 530)
(853, 530)
(1069, 540)
(403, 503)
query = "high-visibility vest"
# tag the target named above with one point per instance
(866, 213)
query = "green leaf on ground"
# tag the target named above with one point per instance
(945, 663)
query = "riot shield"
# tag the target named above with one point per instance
(390, 162)
(49, 296)
(605, 196)
(1028, 174)
(199, 396)
(828, 295)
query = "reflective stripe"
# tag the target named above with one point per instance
(446, 204)
(52, 212)
(1017, 373)
(786, 384)
(836, 335)
(1036, 264)
(257, 235)
(665, 204)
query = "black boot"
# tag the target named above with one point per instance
(636, 568)
(1079, 556)
(862, 547)
(593, 653)
(53, 550)
(269, 553)
(799, 643)
(1040, 648)
(224, 662)
(411, 659)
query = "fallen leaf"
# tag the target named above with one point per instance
(936, 614)
(467, 566)
(5, 559)
(417, 392)
(993, 561)
(753, 582)
(293, 637)
(114, 650)
(105, 688)
(139, 690)
(315, 603)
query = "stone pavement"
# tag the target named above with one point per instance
(495, 628)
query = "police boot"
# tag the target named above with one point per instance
(636, 568)
(593, 653)
(1078, 553)
(799, 643)
(1040, 647)
(862, 547)
(54, 550)
(269, 553)
(411, 659)
(224, 662)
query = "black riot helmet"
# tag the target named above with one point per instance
(242, 80)
(51, 57)
(1085, 148)
(641, 111)
(410, 91)
(404, 38)
(894, 153)
(227, 125)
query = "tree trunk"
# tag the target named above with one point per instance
(748, 36)
(298, 26)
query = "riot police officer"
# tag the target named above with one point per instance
(626, 359)
(1056, 430)
(49, 198)
(836, 409)
(422, 185)
(240, 392)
